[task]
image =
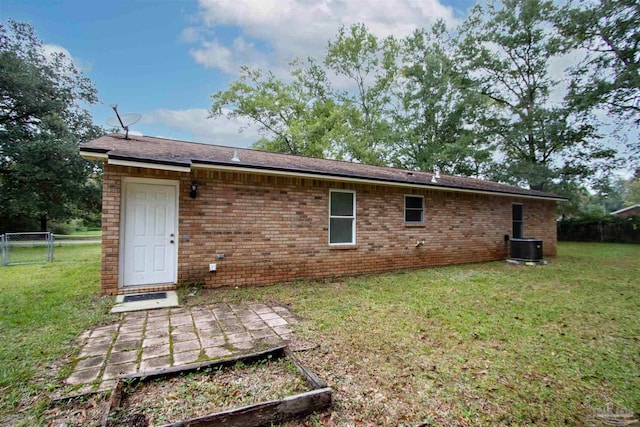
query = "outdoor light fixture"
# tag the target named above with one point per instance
(194, 188)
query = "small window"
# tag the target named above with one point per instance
(342, 217)
(517, 215)
(414, 209)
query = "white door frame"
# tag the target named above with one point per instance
(123, 199)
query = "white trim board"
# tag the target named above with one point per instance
(318, 176)
(364, 181)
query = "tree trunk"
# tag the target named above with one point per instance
(43, 223)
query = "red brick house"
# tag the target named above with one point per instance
(628, 211)
(172, 209)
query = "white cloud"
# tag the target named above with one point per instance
(287, 29)
(228, 59)
(213, 55)
(190, 35)
(196, 121)
(52, 49)
(269, 34)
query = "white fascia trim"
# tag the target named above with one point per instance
(361, 181)
(159, 166)
(90, 155)
(625, 209)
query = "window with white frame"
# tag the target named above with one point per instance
(342, 217)
(413, 209)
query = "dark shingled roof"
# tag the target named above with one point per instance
(191, 155)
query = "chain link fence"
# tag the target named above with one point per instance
(26, 248)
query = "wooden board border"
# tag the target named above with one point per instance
(319, 398)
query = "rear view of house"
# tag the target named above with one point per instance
(177, 212)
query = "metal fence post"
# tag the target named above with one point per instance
(3, 241)
(50, 247)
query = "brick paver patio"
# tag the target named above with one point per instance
(156, 339)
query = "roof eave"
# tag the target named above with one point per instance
(628, 208)
(90, 154)
(187, 166)
(198, 164)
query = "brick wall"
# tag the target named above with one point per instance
(275, 229)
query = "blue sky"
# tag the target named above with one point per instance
(165, 58)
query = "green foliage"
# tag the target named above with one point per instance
(76, 226)
(632, 192)
(600, 228)
(605, 196)
(370, 65)
(482, 101)
(42, 120)
(370, 101)
(307, 116)
(609, 76)
(609, 195)
(578, 196)
(509, 46)
(283, 110)
(609, 30)
(439, 123)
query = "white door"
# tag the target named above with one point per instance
(149, 238)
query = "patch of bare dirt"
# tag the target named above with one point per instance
(82, 411)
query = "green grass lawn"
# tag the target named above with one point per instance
(96, 233)
(32, 252)
(482, 344)
(80, 235)
(43, 309)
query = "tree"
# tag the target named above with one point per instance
(609, 31)
(296, 118)
(509, 46)
(609, 76)
(439, 120)
(369, 64)
(578, 198)
(631, 193)
(608, 195)
(42, 120)
(370, 100)
(309, 115)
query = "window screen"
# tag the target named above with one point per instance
(413, 209)
(342, 217)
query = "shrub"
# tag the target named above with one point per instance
(609, 228)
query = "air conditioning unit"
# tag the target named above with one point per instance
(529, 250)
